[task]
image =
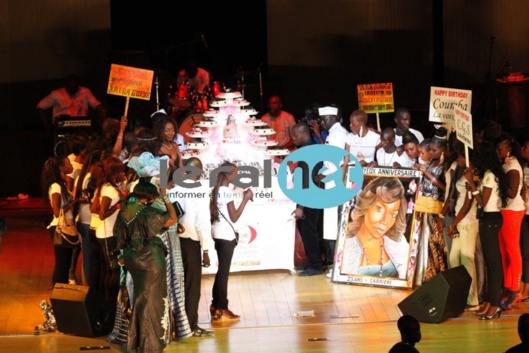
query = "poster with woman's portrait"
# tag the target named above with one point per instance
(377, 241)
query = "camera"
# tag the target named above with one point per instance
(311, 114)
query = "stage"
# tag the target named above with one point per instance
(274, 305)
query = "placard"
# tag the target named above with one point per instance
(376, 97)
(378, 240)
(463, 122)
(130, 82)
(444, 100)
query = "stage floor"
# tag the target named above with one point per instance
(346, 318)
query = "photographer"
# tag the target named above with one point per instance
(312, 119)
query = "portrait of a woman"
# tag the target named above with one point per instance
(230, 131)
(375, 244)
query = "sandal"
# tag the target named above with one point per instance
(200, 332)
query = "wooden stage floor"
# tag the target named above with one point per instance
(346, 318)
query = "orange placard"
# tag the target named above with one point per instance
(130, 82)
(376, 97)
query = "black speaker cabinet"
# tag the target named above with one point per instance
(80, 311)
(441, 298)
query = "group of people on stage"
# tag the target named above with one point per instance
(474, 214)
(143, 260)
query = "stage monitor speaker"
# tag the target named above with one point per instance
(442, 297)
(80, 311)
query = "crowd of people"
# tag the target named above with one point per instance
(474, 213)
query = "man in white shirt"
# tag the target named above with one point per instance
(337, 136)
(197, 236)
(389, 155)
(402, 123)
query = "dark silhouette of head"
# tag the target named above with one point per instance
(523, 328)
(191, 69)
(72, 84)
(410, 329)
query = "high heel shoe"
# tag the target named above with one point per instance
(512, 298)
(491, 316)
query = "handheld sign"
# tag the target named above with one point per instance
(376, 98)
(130, 82)
(463, 122)
(444, 100)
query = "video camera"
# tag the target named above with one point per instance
(311, 114)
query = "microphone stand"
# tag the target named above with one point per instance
(156, 83)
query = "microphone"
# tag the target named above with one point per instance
(203, 39)
(252, 197)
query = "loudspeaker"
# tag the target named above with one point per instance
(442, 297)
(80, 311)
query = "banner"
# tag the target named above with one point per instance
(266, 231)
(444, 100)
(463, 122)
(376, 97)
(378, 240)
(130, 82)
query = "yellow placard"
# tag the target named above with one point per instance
(130, 82)
(376, 97)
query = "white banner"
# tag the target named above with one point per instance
(464, 127)
(266, 231)
(444, 100)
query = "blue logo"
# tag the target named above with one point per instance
(305, 160)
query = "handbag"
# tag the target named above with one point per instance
(428, 205)
(179, 214)
(66, 234)
(234, 231)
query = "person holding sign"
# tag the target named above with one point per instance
(507, 150)
(402, 122)
(464, 229)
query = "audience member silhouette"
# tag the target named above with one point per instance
(410, 333)
(523, 332)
